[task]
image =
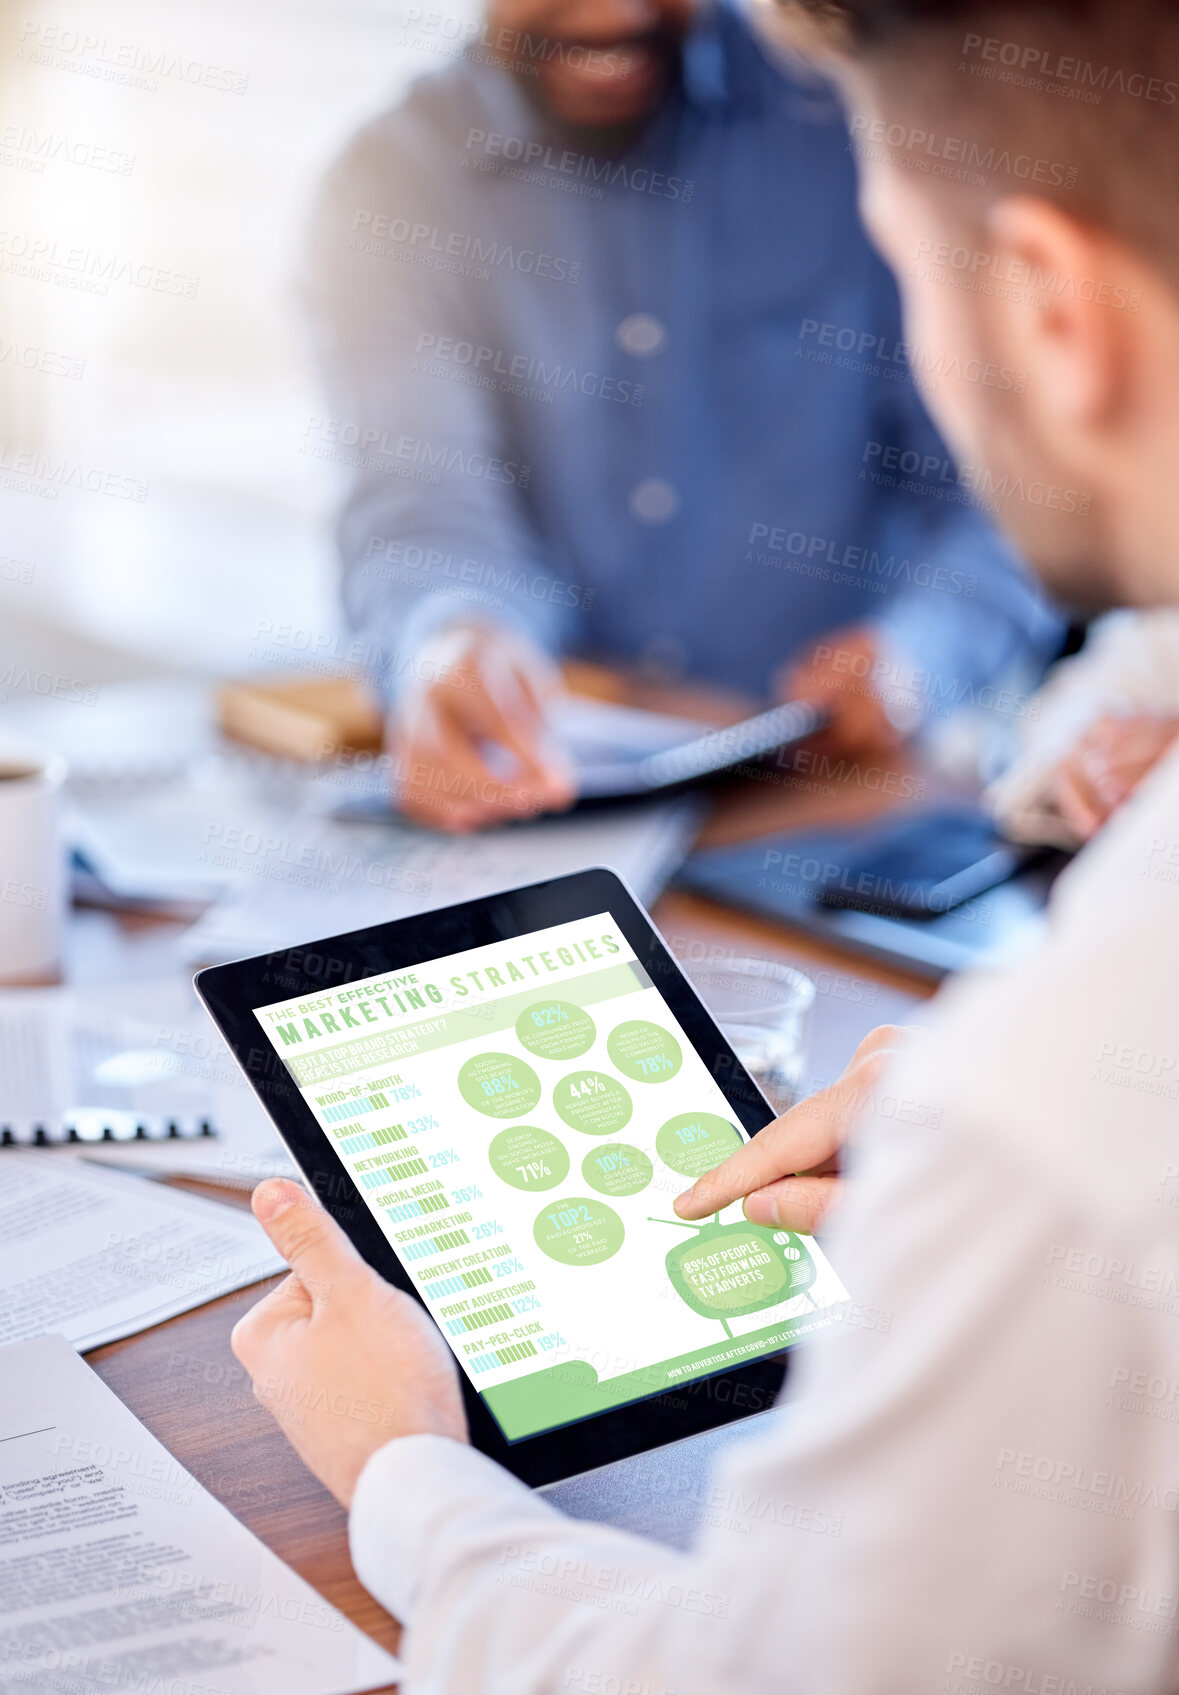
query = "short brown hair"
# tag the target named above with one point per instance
(1091, 85)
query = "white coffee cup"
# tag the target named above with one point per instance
(32, 866)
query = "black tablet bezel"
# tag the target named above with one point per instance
(231, 992)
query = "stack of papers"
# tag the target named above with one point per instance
(170, 844)
(121, 1572)
(174, 819)
(95, 1255)
(324, 878)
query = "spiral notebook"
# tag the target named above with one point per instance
(78, 1068)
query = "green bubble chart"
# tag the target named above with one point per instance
(528, 1158)
(646, 1053)
(694, 1142)
(555, 1030)
(499, 1085)
(577, 1231)
(617, 1169)
(593, 1102)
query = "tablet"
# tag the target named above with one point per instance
(499, 1102)
(625, 754)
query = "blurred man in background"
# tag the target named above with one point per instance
(621, 378)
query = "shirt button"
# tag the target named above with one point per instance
(654, 501)
(640, 334)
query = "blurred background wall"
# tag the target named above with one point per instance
(156, 165)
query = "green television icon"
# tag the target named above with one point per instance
(730, 1270)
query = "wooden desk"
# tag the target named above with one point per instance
(181, 1379)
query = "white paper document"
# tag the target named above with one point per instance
(120, 1573)
(96, 1254)
(329, 878)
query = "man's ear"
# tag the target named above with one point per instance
(1060, 308)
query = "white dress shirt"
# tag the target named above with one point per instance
(979, 1489)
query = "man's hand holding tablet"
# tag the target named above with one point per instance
(497, 1104)
(359, 1360)
(363, 1363)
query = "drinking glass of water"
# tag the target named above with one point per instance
(764, 1008)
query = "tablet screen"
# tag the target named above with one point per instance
(519, 1118)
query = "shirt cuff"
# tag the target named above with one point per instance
(894, 675)
(407, 1493)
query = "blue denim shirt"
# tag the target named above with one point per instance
(652, 406)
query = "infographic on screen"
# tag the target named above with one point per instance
(519, 1118)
